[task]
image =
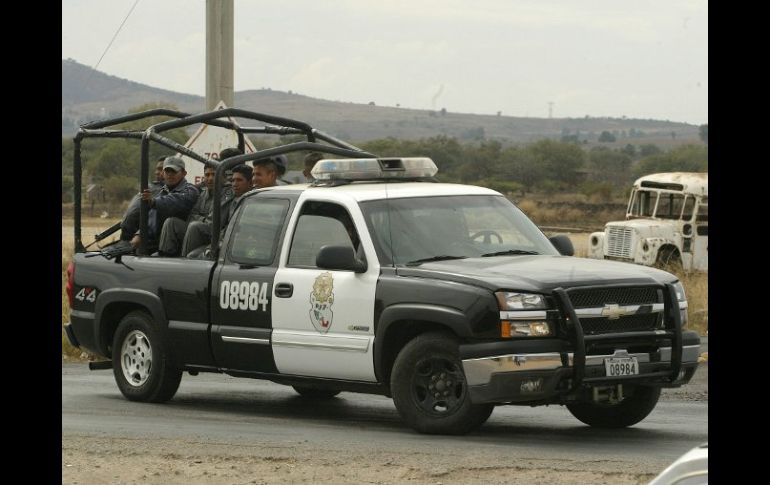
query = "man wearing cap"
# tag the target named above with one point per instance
(175, 199)
(174, 228)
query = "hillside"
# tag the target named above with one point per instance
(88, 94)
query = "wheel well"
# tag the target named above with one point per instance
(668, 248)
(398, 335)
(111, 316)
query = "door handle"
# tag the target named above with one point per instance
(284, 290)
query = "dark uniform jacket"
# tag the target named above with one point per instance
(172, 202)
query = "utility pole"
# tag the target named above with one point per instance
(550, 109)
(219, 52)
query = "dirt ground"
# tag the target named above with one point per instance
(91, 460)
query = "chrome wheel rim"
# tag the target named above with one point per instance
(136, 358)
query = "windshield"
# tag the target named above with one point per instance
(642, 203)
(415, 230)
(670, 205)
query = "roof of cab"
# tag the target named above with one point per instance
(692, 182)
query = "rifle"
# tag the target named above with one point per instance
(106, 233)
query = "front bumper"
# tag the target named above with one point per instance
(553, 370)
(530, 376)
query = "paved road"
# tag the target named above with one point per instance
(214, 408)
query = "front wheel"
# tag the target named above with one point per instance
(140, 361)
(634, 407)
(429, 387)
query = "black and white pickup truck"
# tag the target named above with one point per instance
(378, 279)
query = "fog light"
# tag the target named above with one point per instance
(645, 247)
(531, 385)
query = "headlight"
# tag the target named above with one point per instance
(523, 315)
(520, 301)
(536, 328)
(679, 289)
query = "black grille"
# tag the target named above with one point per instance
(593, 298)
(630, 323)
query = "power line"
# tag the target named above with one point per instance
(116, 34)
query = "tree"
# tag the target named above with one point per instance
(686, 158)
(606, 137)
(629, 150)
(649, 149)
(518, 164)
(703, 133)
(559, 161)
(609, 165)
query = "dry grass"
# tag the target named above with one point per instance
(552, 214)
(696, 287)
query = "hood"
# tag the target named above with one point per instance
(537, 273)
(649, 227)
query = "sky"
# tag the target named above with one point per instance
(643, 59)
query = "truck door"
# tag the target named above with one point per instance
(323, 320)
(241, 290)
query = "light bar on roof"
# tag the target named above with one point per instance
(373, 168)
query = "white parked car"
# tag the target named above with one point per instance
(666, 224)
(692, 468)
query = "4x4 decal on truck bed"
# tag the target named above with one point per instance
(87, 294)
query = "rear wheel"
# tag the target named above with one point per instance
(429, 387)
(140, 361)
(314, 393)
(636, 405)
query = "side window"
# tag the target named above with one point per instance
(320, 224)
(703, 209)
(689, 207)
(670, 206)
(256, 232)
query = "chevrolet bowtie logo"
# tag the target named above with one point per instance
(614, 311)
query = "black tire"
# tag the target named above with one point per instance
(140, 361)
(429, 365)
(314, 393)
(635, 406)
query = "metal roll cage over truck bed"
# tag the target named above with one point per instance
(275, 126)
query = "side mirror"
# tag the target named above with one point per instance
(339, 258)
(563, 244)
